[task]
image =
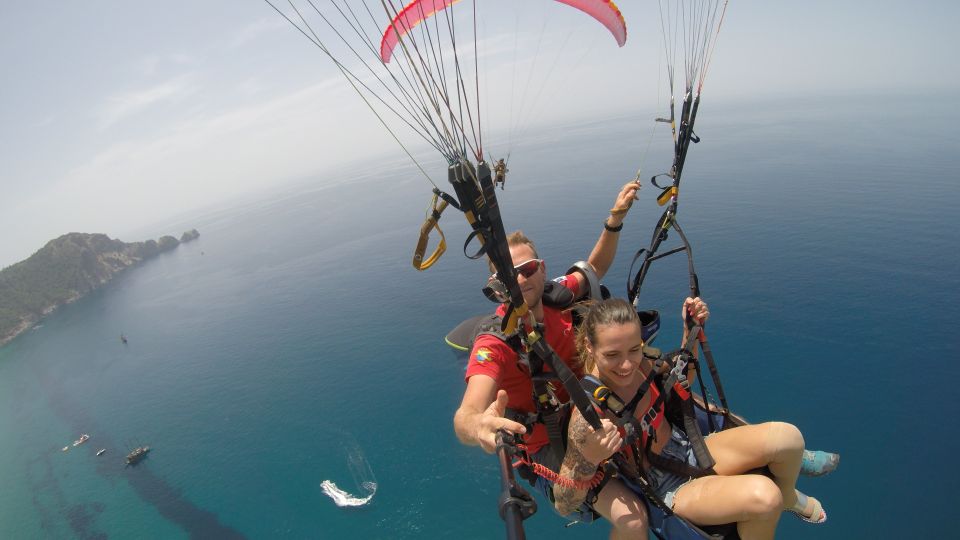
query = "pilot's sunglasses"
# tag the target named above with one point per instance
(528, 268)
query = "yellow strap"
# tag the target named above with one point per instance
(418, 261)
(513, 320)
(428, 224)
(666, 195)
(514, 315)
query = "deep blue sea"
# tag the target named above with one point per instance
(294, 343)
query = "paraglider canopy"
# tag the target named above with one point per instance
(604, 11)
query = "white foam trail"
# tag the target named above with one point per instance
(342, 498)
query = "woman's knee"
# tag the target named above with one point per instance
(763, 498)
(632, 524)
(784, 436)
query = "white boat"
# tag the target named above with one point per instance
(83, 438)
(65, 448)
(101, 451)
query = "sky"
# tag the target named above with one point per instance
(116, 116)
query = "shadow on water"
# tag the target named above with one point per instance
(168, 500)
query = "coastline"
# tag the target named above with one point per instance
(32, 320)
(65, 270)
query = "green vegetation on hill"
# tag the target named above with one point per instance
(64, 270)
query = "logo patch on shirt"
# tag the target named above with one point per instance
(483, 354)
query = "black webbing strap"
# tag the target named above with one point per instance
(528, 419)
(680, 468)
(550, 414)
(618, 464)
(475, 191)
(637, 477)
(541, 350)
(697, 333)
(625, 415)
(641, 391)
(715, 375)
(626, 418)
(704, 460)
(677, 386)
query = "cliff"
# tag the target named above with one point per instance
(64, 270)
(187, 236)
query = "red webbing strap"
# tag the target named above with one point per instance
(545, 472)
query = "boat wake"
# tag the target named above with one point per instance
(342, 498)
(362, 476)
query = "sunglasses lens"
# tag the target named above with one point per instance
(528, 268)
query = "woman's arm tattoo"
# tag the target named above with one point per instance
(575, 466)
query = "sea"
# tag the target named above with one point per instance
(288, 368)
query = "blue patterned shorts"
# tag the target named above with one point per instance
(666, 483)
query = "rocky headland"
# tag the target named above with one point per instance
(65, 270)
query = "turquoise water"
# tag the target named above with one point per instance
(293, 338)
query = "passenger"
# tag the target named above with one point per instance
(500, 171)
(495, 381)
(611, 346)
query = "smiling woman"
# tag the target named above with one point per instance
(744, 474)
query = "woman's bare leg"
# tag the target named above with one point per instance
(752, 501)
(624, 510)
(776, 445)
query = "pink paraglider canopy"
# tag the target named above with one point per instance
(604, 11)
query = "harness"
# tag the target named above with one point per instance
(673, 400)
(550, 411)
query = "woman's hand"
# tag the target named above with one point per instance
(696, 308)
(600, 444)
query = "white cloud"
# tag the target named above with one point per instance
(150, 65)
(44, 121)
(256, 29)
(250, 87)
(200, 161)
(129, 103)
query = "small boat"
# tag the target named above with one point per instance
(123, 338)
(101, 451)
(83, 438)
(137, 455)
(65, 448)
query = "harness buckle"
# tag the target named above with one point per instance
(682, 389)
(679, 371)
(646, 423)
(614, 404)
(545, 392)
